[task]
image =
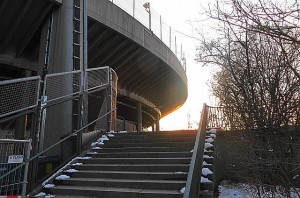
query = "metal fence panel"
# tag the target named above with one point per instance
(12, 154)
(62, 85)
(18, 95)
(97, 77)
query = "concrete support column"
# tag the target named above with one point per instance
(139, 116)
(157, 123)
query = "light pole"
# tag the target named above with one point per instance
(147, 7)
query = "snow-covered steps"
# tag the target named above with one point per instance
(135, 165)
(207, 177)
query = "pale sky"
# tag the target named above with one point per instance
(178, 13)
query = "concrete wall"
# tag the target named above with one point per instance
(114, 17)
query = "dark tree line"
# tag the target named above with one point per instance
(258, 83)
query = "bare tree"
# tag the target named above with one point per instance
(258, 81)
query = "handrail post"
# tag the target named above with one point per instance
(193, 181)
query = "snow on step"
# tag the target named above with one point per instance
(205, 180)
(206, 171)
(208, 145)
(209, 140)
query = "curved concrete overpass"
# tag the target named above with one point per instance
(148, 71)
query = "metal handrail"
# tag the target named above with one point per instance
(53, 145)
(193, 180)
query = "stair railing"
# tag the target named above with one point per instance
(211, 117)
(192, 187)
(40, 154)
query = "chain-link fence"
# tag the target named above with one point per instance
(18, 95)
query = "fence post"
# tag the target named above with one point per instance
(26, 169)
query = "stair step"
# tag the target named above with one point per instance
(150, 140)
(102, 192)
(141, 154)
(124, 183)
(129, 175)
(132, 167)
(135, 161)
(159, 144)
(206, 186)
(144, 149)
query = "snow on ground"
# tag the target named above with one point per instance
(229, 189)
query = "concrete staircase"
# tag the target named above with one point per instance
(129, 165)
(207, 179)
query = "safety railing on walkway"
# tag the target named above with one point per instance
(142, 11)
(211, 117)
(36, 115)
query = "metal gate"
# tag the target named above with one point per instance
(13, 154)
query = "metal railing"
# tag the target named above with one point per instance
(18, 95)
(142, 11)
(211, 117)
(59, 90)
(14, 153)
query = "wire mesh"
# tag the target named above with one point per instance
(18, 95)
(12, 154)
(97, 77)
(61, 85)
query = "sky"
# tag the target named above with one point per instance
(178, 14)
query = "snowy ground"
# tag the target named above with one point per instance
(237, 190)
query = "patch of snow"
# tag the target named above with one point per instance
(239, 190)
(77, 164)
(91, 153)
(41, 194)
(83, 158)
(49, 186)
(94, 144)
(182, 190)
(100, 143)
(62, 177)
(110, 135)
(49, 196)
(192, 151)
(213, 135)
(208, 145)
(179, 172)
(96, 147)
(295, 176)
(72, 170)
(213, 131)
(206, 171)
(205, 163)
(103, 138)
(205, 180)
(207, 156)
(209, 140)
(123, 131)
